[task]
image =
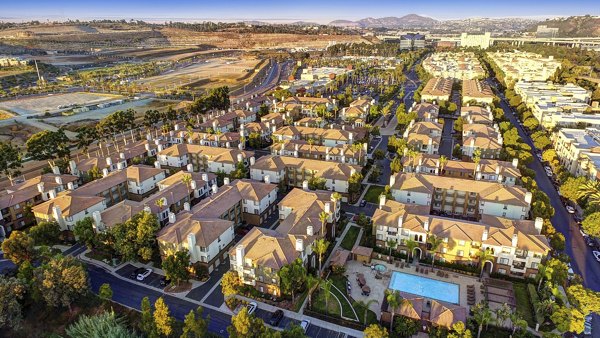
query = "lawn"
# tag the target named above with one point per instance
(340, 283)
(524, 306)
(350, 238)
(372, 195)
(318, 303)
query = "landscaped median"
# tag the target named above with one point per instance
(350, 239)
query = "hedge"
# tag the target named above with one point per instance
(535, 300)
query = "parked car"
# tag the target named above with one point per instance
(539, 157)
(570, 209)
(143, 275)
(276, 317)
(596, 255)
(587, 325)
(251, 307)
(164, 281)
(363, 203)
(305, 324)
(136, 272)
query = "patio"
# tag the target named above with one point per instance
(378, 286)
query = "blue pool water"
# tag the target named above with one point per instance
(380, 267)
(426, 287)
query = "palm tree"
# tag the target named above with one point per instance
(517, 321)
(412, 155)
(434, 243)
(391, 244)
(323, 216)
(320, 248)
(411, 245)
(545, 307)
(590, 190)
(160, 203)
(484, 256)
(394, 301)
(443, 162)
(476, 159)
(544, 271)
(187, 180)
(482, 316)
(326, 286)
(502, 314)
(366, 305)
(312, 282)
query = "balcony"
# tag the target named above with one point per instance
(392, 233)
(519, 266)
(521, 254)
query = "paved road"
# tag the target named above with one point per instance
(275, 73)
(447, 142)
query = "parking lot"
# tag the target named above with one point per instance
(152, 280)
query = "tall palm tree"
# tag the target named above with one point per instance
(394, 301)
(434, 243)
(412, 155)
(544, 272)
(187, 180)
(365, 305)
(482, 316)
(323, 216)
(545, 307)
(320, 248)
(391, 244)
(590, 190)
(443, 162)
(484, 256)
(502, 314)
(411, 245)
(476, 159)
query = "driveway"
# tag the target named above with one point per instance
(152, 280)
(201, 291)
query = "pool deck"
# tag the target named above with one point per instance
(378, 286)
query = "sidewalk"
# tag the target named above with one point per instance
(300, 317)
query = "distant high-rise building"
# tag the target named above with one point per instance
(544, 31)
(482, 41)
(412, 41)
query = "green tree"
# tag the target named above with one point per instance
(312, 283)
(147, 325)
(194, 325)
(458, 124)
(375, 331)
(85, 233)
(482, 316)
(326, 286)
(162, 318)
(394, 301)
(568, 319)
(292, 277)
(255, 140)
(105, 293)
(378, 155)
(586, 300)
(10, 160)
(317, 183)
(241, 171)
(459, 330)
(396, 165)
(12, 291)
(136, 237)
(48, 146)
(560, 270)
(354, 184)
(570, 189)
(244, 325)
(61, 281)
(18, 247)
(591, 224)
(105, 324)
(411, 245)
(433, 244)
(176, 267)
(230, 283)
(406, 327)
(45, 233)
(320, 248)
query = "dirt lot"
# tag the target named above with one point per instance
(17, 134)
(209, 73)
(50, 103)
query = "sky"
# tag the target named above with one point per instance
(321, 11)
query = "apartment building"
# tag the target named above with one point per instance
(424, 136)
(261, 253)
(454, 65)
(456, 196)
(482, 41)
(518, 65)
(483, 137)
(304, 105)
(517, 246)
(477, 115)
(478, 91)
(503, 172)
(579, 151)
(68, 207)
(437, 89)
(296, 172)
(314, 122)
(557, 105)
(425, 111)
(264, 130)
(412, 41)
(228, 139)
(357, 110)
(15, 200)
(203, 158)
(328, 137)
(206, 231)
(341, 153)
(13, 61)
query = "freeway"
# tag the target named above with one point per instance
(275, 72)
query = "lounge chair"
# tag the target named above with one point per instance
(426, 272)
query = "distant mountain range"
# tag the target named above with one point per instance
(408, 21)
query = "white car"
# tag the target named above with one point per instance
(306, 323)
(143, 275)
(251, 307)
(596, 255)
(570, 209)
(539, 157)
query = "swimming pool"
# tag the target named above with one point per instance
(426, 287)
(379, 267)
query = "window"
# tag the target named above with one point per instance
(534, 265)
(503, 261)
(502, 271)
(505, 250)
(461, 243)
(460, 253)
(446, 240)
(444, 250)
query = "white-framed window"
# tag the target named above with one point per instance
(460, 253)
(461, 243)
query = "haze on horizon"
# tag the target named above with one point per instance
(276, 11)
